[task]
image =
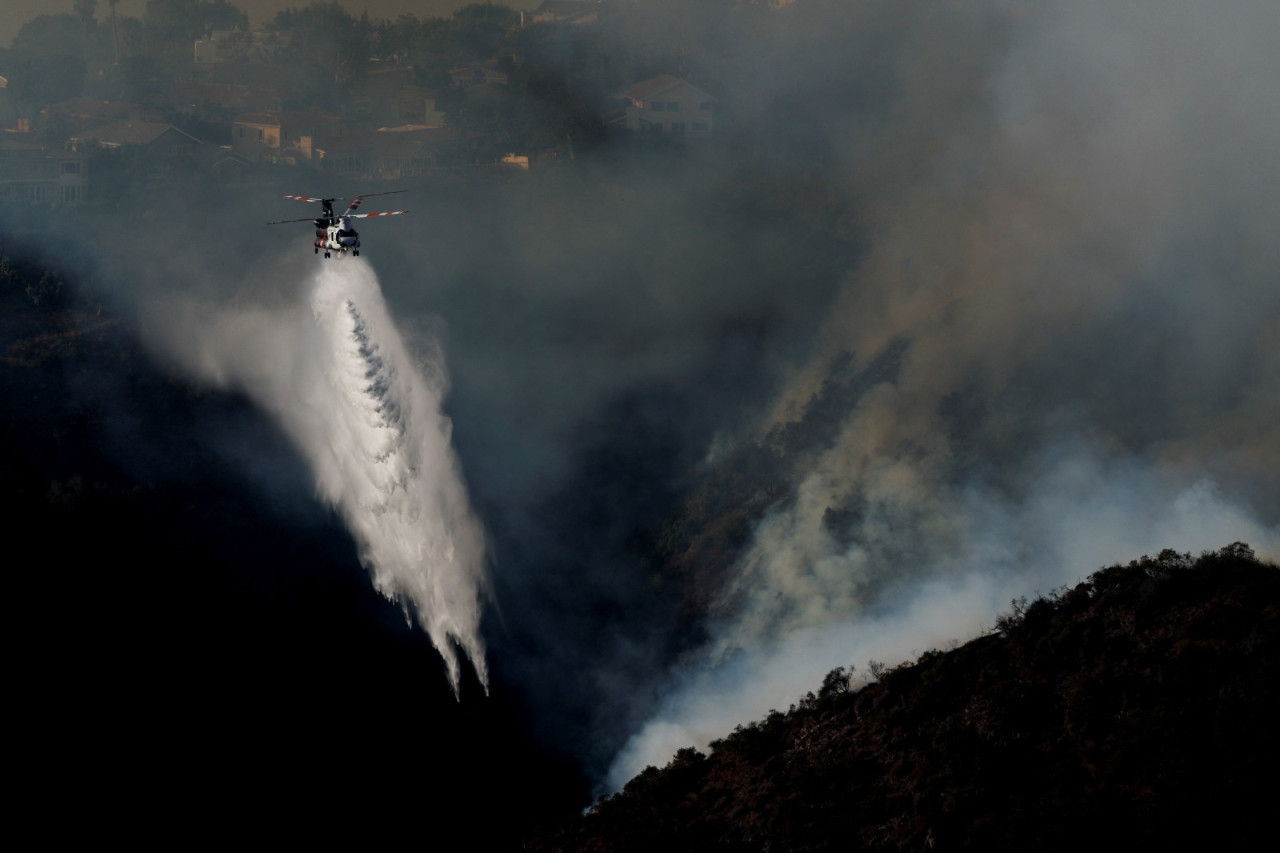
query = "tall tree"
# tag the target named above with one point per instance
(115, 39)
(85, 10)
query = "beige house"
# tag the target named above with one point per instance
(283, 137)
(665, 105)
(256, 136)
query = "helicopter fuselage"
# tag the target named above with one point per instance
(336, 235)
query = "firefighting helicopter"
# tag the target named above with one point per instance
(334, 233)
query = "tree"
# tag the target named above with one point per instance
(115, 39)
(84, 10)
(836, 682)
(44, 79)
(479, 29)
(396, 36)
(50, 35)
(325, 34)
(184, 21)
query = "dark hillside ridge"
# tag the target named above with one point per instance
(1138, 708)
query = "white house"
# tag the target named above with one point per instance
(29, 175)
(666, 105)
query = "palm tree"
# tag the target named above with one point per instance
(84, 11)
(114, 39)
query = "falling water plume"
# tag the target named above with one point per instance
(338, 377)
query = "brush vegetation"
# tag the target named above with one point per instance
(1137, 708)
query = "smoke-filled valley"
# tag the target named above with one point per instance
(579, 466)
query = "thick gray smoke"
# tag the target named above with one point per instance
(1078, 265)
(332, 369)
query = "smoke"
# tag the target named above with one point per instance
(1031, 247)
(814, 606)
(332, 369)
(1072, 272)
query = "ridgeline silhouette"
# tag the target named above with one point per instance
(1137, 708)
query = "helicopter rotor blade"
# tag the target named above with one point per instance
(344, 198)
(351, 208)
(382, 213)
(355, 200)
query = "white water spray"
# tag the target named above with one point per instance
(337, 376)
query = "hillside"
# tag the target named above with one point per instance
(1137, 708)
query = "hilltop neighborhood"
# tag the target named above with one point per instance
(191, 91)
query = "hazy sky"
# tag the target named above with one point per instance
(18, 12)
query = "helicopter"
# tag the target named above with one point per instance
(334, 233)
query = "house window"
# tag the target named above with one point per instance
(70, 168)
(241, 129)
(658, 106)
(673, 106)
(259, 134)
(677, 128)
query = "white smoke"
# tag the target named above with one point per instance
(1083, 516)
(332, 369)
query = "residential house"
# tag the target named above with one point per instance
(664, 105)
(84, 113)
(388, 96)
(289, 138)
(29, 175)
(163, 140)
(6, 106)
(219, 46)
(238, 45)
(475, 74)
(227, 166)
(567, 12)
(432, 117)
(163, 147)
(256, 136)
(390, 153)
